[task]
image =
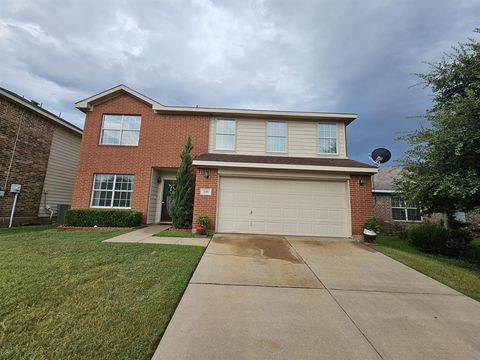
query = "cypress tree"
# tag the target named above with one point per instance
(183, 193)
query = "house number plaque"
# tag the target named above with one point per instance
(206, 191)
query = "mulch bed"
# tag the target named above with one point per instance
(67, 228)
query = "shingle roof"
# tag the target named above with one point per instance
(383, 180)
(282, 160)
(34, 106)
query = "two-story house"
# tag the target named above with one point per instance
(38, 151)
(257, 171)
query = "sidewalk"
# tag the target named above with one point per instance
(146, 236)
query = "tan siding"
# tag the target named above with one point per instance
(61, 170)
(301, 138)
(153, 197)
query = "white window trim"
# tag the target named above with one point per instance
(234, 135)
(120, 130)
(113, 192)
(318, 139)
(405, 208)
(286, 137)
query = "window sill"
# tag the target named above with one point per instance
(111, 207)
(228, 150)
(408, 221)
(117, 145)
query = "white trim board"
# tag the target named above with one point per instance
(284, 166)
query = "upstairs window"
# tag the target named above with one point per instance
(276, 136)
(225, 135)
(401, 211)
(327, 138)
(112, 191)
(120, 130)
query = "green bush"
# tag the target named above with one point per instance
(472, 254)
(371, 224)
(431, 238)
(203, 220)
(457, 242)
(103, 217)
(428, 238)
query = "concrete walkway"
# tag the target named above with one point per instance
(273, 297)
(146, 234)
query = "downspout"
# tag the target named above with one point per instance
(13, 151)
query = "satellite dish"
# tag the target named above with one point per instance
(380, 156)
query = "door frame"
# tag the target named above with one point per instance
(160, 197)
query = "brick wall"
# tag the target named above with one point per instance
(361, 202)
(30, 160)
(206, 204)
(162, 137)
(382, 204)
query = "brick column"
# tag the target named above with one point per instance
(206, 204)
(361, 201)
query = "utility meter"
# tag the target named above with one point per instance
(15, 188)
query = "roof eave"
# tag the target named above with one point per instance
(250, 113)
(87, 105)
(56, 120)
(342, 169)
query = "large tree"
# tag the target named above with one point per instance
(182, 196)
(442, 167)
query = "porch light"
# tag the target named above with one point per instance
(361, 182)
(205, 174)
(159, 180)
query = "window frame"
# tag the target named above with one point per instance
(121, 130)
(234, 134)
(285, 137)
(319, 138)
(405, 209)
(113, 190)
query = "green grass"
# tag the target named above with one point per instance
(459, 275)
(67, 295)
(186, 234)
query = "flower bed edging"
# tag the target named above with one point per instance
(70, 228)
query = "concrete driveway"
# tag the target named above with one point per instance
(274, 297)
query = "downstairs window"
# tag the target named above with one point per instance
(401, 211)
(112, 191)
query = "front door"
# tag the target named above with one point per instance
(168, 185)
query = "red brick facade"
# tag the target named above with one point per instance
(30, 160)
(361, 201)
(162, 137)
(206, 204)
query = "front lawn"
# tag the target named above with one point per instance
(459, 275)
(174, 233)
(67, 295)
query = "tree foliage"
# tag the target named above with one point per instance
(442, 166)
(183, 193)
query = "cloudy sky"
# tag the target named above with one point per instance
(345, 56)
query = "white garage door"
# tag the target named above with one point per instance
(286, 207)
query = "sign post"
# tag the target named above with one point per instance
(14, 189)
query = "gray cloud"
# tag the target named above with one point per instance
(347, 56)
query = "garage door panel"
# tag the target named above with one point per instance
(294, 207)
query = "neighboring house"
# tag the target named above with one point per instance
(257, 171)
(393, 212)
(39, 151)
